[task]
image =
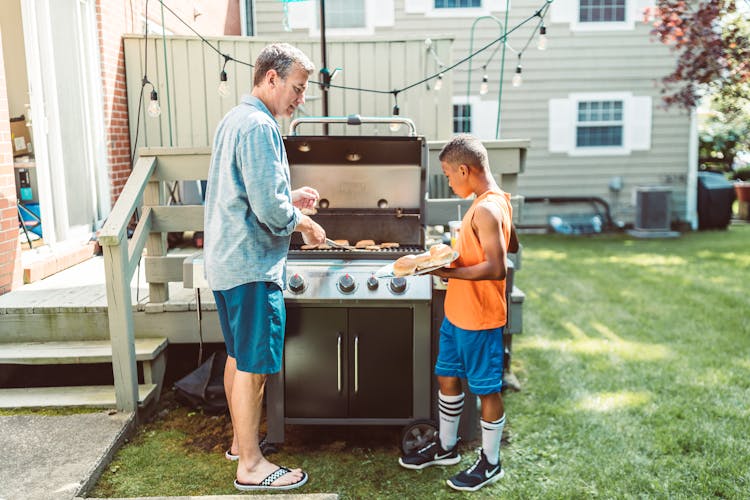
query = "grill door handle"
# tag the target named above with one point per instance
(338, 364)
(356, 364)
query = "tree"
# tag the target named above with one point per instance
(712, 38)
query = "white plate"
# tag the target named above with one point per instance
(387, 270)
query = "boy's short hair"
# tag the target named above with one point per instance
(465, 149)
(280, 57)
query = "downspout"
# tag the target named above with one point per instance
(691, 197)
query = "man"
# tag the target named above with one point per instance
(471, 336)
(250, 213)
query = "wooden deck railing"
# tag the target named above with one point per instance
(145, 190)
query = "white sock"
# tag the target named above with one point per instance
(449, 408)
(492, 432)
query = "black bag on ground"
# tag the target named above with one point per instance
(204, 387)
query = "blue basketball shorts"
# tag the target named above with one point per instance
(476, 355)
(253, 318)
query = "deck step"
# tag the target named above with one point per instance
(93, 396)
(74, 351)
(149, 352)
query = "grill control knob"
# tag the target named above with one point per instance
(346, 283)
(296, 283)
(398, 285)
(372, 283)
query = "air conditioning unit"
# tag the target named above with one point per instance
(653, 208)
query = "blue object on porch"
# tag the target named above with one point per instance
(30, 213)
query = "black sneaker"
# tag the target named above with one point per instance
(479, 474)
(432, 454)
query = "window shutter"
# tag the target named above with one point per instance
(564, 11)
(484, 119)
(417, 6)
(302, 15)
(640, 123)
(561, 129)
(381, 12)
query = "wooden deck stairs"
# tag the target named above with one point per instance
(150, 352)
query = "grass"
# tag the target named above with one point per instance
(635, 369)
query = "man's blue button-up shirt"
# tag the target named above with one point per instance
(249, 217)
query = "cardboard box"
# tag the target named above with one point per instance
(20, 136)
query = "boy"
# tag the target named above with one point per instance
(471, 336)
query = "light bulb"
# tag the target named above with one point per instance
(395, 126)
(484, 87)
(154, 109)
(542, 42)
(517, 78)
(223, 84)
(439, 82)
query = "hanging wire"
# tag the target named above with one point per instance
(203, 38)
(541, 12)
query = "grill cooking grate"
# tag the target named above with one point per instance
(295, 252)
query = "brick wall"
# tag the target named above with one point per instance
(113, 20)
(10, 251)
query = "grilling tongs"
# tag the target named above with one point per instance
(332, 243)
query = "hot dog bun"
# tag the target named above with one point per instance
(440, 253)
(405, 265)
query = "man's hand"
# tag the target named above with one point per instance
(312, 232)
(305, 197)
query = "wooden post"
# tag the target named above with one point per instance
(121, 326)
(156, 246)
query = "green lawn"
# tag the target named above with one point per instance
(635, 368)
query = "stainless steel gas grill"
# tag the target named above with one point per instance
(358, 349)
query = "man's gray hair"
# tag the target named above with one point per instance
(465, 149)
(280, 57)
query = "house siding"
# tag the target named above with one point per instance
(616, 60)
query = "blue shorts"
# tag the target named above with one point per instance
(253, 318)
(476, 355)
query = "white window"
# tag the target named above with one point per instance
(454, 8)
(343, 17)
(598, 15)
(461, 118)
(600, 124)
(597, 11)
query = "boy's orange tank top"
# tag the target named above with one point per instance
(478, 305)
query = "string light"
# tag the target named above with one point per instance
(223, 85)
(439, 82)
(154, 109)
(223, 89)
(395, 126)
(485, 86)
(517, 77)
(542, 42)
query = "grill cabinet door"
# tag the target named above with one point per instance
(315, 360)
(380, 362)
